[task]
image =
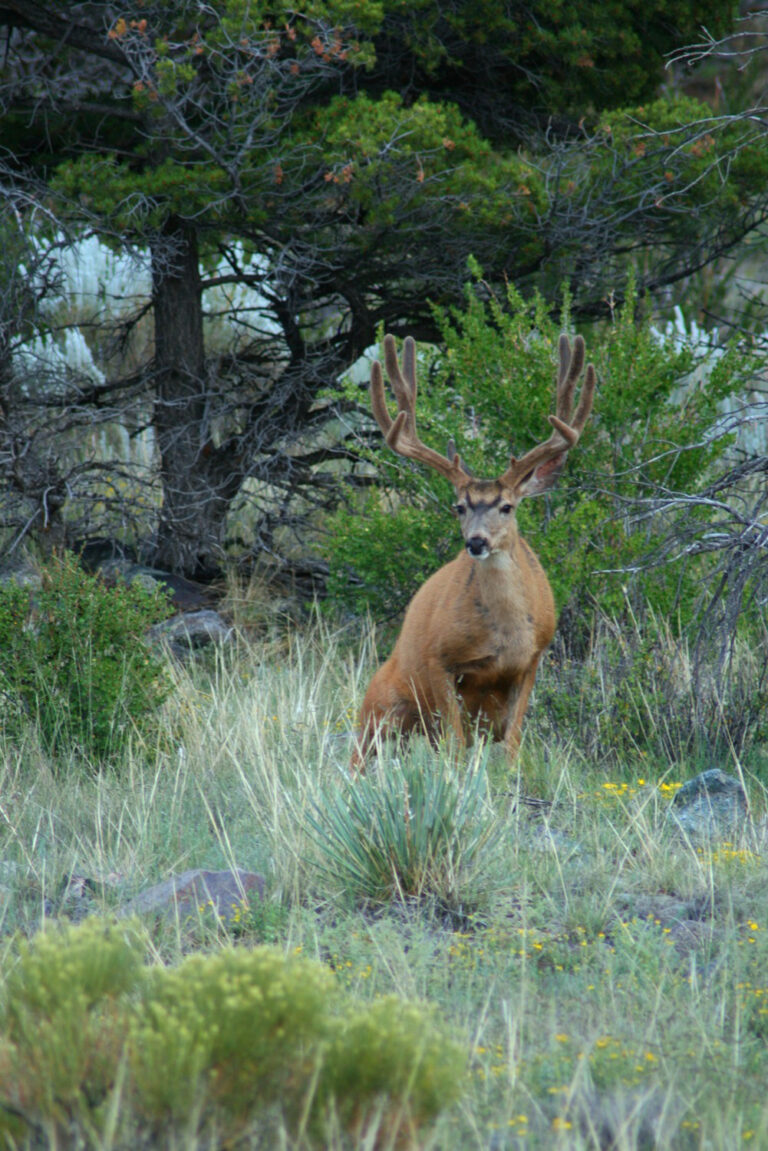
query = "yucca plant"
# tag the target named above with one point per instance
(415, 826)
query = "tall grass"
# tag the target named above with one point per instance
(609, 978)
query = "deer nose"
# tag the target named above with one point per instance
(477, 546)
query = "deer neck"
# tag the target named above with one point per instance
(502, 607)
(500, 577)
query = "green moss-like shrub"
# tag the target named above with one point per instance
(62, 1020)
(93, 1039)
(253, 1025)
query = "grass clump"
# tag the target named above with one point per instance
(641, 692)
(74, 661)
(418, 827)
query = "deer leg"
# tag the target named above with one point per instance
(399, 717)
(517, 708)
(445, 704)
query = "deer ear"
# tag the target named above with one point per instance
(543, 477)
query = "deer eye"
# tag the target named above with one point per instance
(505, 509)
(459, 509)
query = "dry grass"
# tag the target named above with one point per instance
(610, 980)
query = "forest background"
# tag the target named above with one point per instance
(211, 214)
(271, 190)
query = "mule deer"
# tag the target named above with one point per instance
(474, 633)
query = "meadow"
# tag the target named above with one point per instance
(604, 976)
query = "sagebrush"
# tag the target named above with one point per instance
(220, 1043)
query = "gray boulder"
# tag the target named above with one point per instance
(197, 894)
(189, 631)
(711, 806)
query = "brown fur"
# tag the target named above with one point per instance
(474, 633)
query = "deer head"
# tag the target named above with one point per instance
(486, 508)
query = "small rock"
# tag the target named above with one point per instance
(710, 806)
(663, 908)
(22, 573)
(116, 563)
(687, 922)
(690, 935)
(77, 897)
(542, 837)
(193, 893)
(185, 594)
(190, 631)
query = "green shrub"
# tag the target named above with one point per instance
(383, 552)
(366, 1069)
(62, 1022)
(74, 660)
(245, 1027)
(417, 828)
(92, 1038)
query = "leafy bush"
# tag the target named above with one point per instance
(415, 828)
(494, 379)
(73, 657)
(365, 1067)
(253, 1025)
(93, 1037)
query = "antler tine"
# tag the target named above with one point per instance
(403, 383)
(400, 433)
(584, 410)
(378, 400)
(571, 361)
(571, 367)
(567, 425)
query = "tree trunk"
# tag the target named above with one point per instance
(196, 489)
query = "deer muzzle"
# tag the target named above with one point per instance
(478, 547)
